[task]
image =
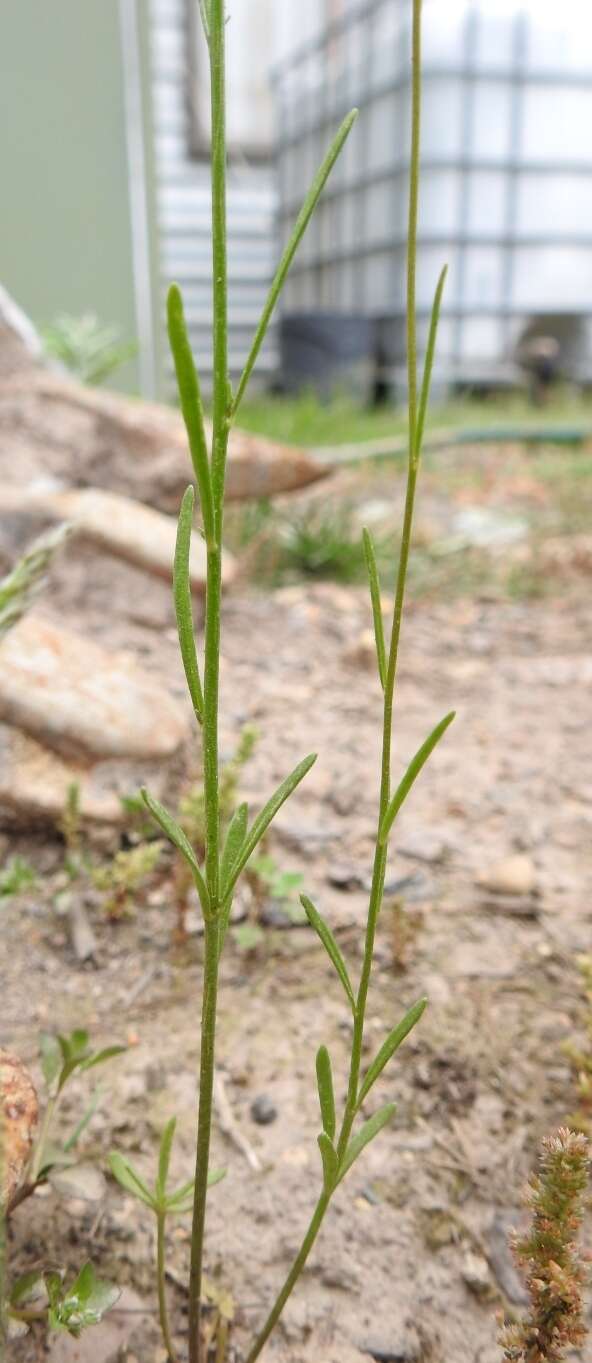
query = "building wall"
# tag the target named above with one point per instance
(65, 232)
(183, 199)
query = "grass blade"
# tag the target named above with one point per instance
(367, 1132)
(191, 407)
(415, 767)
(376, 610)
(176, 835)
(323, 931)
(392, 1043)
(300, 227)
(429, 363)
(164, 1158)
(183, 609)
(330, 1161)
(326, 1092)
(266, 816)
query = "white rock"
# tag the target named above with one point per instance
(82, 700)
(512, 875)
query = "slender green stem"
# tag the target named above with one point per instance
(37, 1161)
(206, 1091)
(215, 14)
(162, 1302)
(293, 1276)
(380, 856)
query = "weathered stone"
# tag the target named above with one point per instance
(513, 875)
(82, 700)
(34, 785)
(120, 526)
(18, 1113)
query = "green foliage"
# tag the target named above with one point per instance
(90, 350)
(72, 1308)
(28, 577)
(120, 879)
(323, 541)
(62, 1056)
(580, 1058)
(550, 1255)
(16, 877)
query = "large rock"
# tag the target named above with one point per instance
(18, 1123)
(35, 783)
(92, 438)
(82, 700)
(118, 525)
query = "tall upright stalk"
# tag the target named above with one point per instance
(215, 882)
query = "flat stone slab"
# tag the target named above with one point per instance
(82, 700)
(121, 527)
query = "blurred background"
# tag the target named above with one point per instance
(103, 142)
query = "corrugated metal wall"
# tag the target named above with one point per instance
(183, 203)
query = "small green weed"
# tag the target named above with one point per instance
(90, 350)
(16, 877)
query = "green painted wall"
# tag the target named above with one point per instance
(65, 239)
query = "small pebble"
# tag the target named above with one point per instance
(263, 1111)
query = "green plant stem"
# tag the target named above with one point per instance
(37, 1161)
(162, 1302)
(380, 856)
(293, 1276)
(206, 1090)
(221, 426)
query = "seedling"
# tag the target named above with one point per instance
(44, 1295)
(162, 1204)
(342, 1140)
(16, 877)
(87, 348)
(120, 879)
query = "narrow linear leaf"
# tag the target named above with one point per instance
(100, 1057)
(392, 1043)
(326, 1091)
(299, 229)
(429, 362)
(80, 1128)
(376, 611)
(127, 1177)
(266, 816)
(235, 837)
(191, 406)
(164, 1157)
(204, 7)
(324, 932)
(180, 841)
(183, 608)
(367, 1132)
(416, 765)
(330, 1161)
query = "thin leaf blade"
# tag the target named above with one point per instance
(235, 837)
(330, 1161)
(191, 406)
(299, 229)
(326, 1092)
(183, 608)
(416, 765)
(164, 1157)
(128, 1179)
(263, 820)
(179, 840)
(373, 579)
(367, 1133)
(429, 362)
(323, 931)
(392, 1043)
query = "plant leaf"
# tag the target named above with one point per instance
(100, 1057)
(237, 831)
(367, 1132)
(30, 1285)
(50, 1055)
(191, 406)
(183, 608)
(164, 1158)
(299, 229)
(415, 767)
(330, 1161)
(81, 1126)
(181, 842)
(182, 1200)
(326, 1092)
(264, 819)
(127, 1177)
(324, 932)
(392, 1043)
(429, 363)
(376, 610)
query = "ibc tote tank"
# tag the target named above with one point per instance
(506, 193)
